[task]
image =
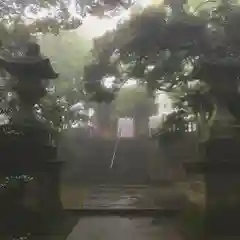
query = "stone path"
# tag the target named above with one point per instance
(121, 196)
(102, 196)
(114, 227)
(117, 228)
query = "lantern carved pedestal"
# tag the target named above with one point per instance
(29, 195)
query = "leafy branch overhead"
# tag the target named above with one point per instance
(54, 15)
(164, 46)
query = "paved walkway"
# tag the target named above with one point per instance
(121, 196)
(111, 196)
(117, 228)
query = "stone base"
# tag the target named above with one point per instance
(222, 181)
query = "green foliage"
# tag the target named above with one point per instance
(195, 98)
(53, 111)
(167, 50)
(63, 14)
(137, 48)
(156, 47)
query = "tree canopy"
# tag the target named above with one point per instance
(54, 15)
(164, 46)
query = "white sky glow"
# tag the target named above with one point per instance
(94, 27)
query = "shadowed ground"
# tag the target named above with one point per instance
(109, 227)
(117, 228)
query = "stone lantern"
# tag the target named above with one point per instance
(29, 168)
(220, 165)
(219, 67)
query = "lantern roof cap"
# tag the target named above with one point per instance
(31, 64)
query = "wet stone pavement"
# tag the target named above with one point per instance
(102, 196)
(123, 196)
(115, 227)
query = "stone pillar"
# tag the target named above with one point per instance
(222, 179)
(223, 187)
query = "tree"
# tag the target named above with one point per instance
(164, 49)
(21, 21)
(54, 15)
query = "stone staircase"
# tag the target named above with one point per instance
(88, 160)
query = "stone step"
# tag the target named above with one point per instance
(90, 161)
